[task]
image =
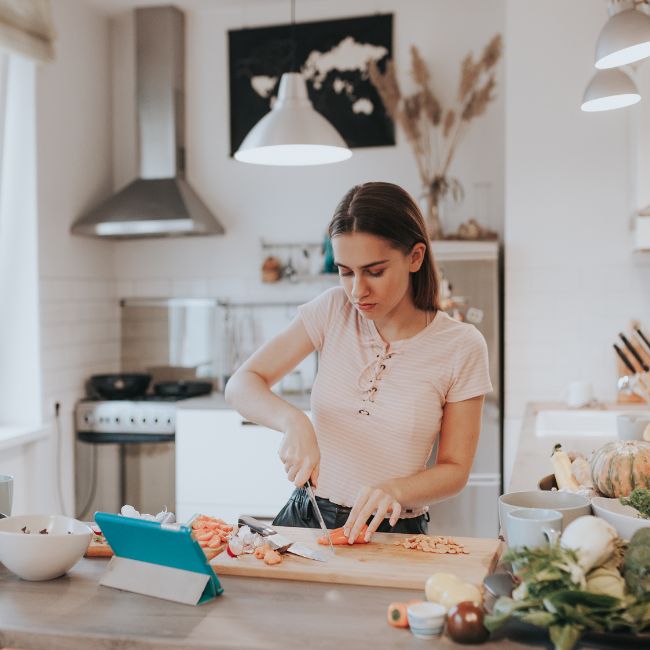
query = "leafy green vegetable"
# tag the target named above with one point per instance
(636, 565)
(546, 569)
(640, 500)
(553, 596)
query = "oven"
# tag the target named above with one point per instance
(125, 447)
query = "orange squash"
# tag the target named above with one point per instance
(619, 467)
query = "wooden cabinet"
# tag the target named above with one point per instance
(226, 466)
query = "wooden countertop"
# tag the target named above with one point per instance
(75, 613)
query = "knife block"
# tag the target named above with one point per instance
(630, 398)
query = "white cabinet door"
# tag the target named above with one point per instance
(226, 467)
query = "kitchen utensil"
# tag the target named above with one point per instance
(124, 385)
(533, 527)
(381, 563)
(642, 336)
(182, 389)
(42, 555)
(645, 367)
(279, 542)
(569, 505)
(624, 359)
(319, 516)
(637, 381)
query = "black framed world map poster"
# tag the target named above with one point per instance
(333, 56)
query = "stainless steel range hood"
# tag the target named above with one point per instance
(161, 202)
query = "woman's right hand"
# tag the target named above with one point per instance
(299, 451)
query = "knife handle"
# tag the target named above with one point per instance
(624, 359)
(634, 353)
(642, 336)
(256, 525)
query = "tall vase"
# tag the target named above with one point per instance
(431, 212)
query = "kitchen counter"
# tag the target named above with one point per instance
(533, 458)
(75, 613)
(217, 401)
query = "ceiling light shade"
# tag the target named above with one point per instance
(625, 37)
(293, 132)
(609, 89)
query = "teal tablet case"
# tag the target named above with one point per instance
(148, 541)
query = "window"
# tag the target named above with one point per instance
(20, 383)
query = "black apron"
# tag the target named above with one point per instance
(299, 512)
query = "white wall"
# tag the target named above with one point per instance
(572, 280)
(289, 204)
(79, 314)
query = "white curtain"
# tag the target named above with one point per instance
(26, 28)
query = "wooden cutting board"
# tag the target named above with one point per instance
(378, 564)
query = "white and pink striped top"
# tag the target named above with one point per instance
(376, 408)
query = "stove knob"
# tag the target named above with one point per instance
(88, 418)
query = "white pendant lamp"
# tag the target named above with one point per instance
(293, 132)
(609, 89)
(625, 38)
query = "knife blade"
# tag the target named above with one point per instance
(319, 516)
(278, 542)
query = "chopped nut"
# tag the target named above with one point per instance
(439, 544)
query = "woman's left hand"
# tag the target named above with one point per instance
(376, 499)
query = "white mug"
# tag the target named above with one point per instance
(6, 493)
(579, 394)
(634, 426)
(533, 527)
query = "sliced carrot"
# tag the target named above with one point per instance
(338, 537)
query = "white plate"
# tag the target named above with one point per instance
(625, 519)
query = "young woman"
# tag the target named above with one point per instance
(395, 373)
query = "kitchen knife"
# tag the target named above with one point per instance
(624, 359)
(279, 542)
(319, 516)
(642, 336)
(633, 352)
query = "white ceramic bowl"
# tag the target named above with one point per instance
(625, 519)
(36, 556)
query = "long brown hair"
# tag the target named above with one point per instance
(389, 212)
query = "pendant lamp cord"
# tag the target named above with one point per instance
(294, 43)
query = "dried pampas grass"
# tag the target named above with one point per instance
(433, 131)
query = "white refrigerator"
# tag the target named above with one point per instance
(474, 271)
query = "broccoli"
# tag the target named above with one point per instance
(640, 500)
(637, 563)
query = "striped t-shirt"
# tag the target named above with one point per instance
(377, 408)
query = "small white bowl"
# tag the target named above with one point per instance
(625, 519)
(426, 620)
(37, 556)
